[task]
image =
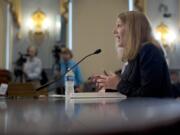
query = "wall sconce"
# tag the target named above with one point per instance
(163, 33)
(165, 36)
(38, 25)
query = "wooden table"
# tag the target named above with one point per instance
(55, 115)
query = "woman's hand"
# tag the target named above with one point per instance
(109, 81)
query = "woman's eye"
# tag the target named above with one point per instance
(119, 25)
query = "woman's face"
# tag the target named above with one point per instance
(119, 33)
(66, 56)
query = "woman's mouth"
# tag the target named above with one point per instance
(117, 37)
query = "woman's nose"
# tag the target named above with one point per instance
(114, 31)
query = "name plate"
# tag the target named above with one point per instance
(3, 89)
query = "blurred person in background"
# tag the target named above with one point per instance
(33, 66)
(65, 63)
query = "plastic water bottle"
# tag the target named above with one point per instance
(69, 83)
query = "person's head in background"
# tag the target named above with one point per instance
(32, 51)
(131, 32)
(66, 54)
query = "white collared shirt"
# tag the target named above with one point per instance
(33, 68)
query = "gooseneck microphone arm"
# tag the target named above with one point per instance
(53, 81)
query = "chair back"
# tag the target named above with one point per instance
(5, 76)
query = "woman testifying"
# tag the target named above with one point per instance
(146, 73)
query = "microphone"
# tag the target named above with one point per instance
(97, 51)
(53, 81)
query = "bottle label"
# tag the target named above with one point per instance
(69, 78)
(3, 89)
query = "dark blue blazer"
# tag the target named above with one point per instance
(147, 75)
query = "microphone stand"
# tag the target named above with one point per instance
(53, 81)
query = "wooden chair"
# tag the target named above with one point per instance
(19, 89)
(5, 76)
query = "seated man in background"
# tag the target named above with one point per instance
(65, 63)
(33, 66)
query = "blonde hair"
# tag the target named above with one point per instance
(138, 33)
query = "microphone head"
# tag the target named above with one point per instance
(97, 51)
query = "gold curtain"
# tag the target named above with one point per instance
(15, 9)
(64, 9)
(139, 5)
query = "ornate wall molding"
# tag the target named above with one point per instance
(139, 5)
